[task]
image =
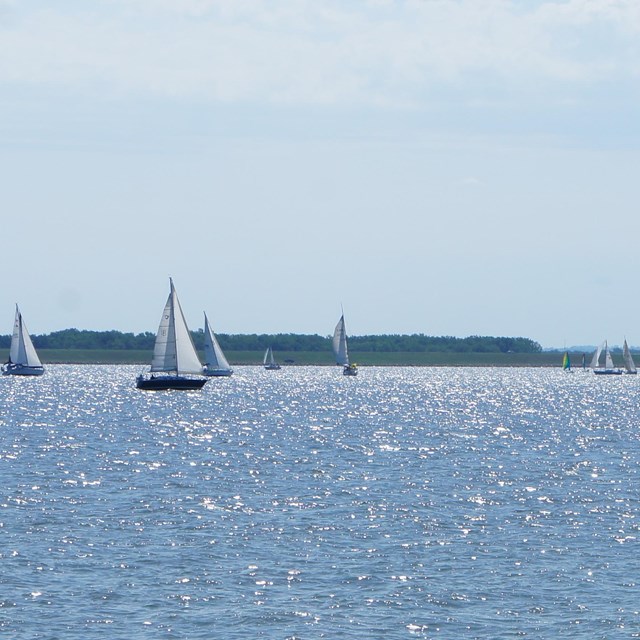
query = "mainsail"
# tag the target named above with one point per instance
(22, 350)
(174, 350)
(340, 343)
(596, 355)
(629, 364)
(608, 360)
(268, 357)
(213, 355)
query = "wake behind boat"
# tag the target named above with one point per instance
(23, 359)
(215, 362)
(174, 355)
(341, 351)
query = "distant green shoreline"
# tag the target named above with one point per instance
(429, 359)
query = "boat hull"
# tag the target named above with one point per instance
(11, 369)
(217, 373)
(272, 367)
(163, 383)
(608, 372)
(350, 370)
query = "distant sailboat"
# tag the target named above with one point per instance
(269, 361)
(608, 368)
(566, 361)
(629, 364)
(215, 364)
(341, 350)
(173, 354)
(23, 359)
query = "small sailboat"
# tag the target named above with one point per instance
(341, 350)
(608, 368)
(269, 361)
(23, 359)
(629, 364)
(215, 364)
(174, 355)
(566, 362)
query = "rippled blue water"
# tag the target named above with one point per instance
(406, 502)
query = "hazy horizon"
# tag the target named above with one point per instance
(447, 168)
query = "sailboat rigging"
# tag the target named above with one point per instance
(174, 354)
(269, 361)
(23, 359)
(341, 350)
(215, 362)
(608, 368)
(629, 364)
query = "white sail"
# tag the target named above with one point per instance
(22, 350)
(629, 364)
(174, 350)
(596, 356)
(608, 360)
(268, 357)
(340, 343)
(213, 355)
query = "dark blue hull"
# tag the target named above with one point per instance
(162, 383)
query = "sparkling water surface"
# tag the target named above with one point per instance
(404, 503)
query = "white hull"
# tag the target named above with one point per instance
(219, 373)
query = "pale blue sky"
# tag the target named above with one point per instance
(448, 167)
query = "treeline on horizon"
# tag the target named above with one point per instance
(415, 343)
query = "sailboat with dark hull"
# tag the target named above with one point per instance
(23, 359)
(175, 363)
(269, 362)
(609, 369)
(341, 350)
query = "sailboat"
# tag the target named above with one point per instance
(629, 364)
(215, 364)
(566, 362)
(174, 355)
(341, 350)
(23, 359)
(608, 368)
(269, 361)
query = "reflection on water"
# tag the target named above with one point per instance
(406, 502)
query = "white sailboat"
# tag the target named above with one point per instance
(23, 359)
(174, 354)
(215, 364)
(341, 350)
(629, 364)
(608, 368)
(269, 361)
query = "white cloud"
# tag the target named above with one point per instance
(303, 51)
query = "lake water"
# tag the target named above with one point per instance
(404, 503)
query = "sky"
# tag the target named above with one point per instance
(446, 167)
